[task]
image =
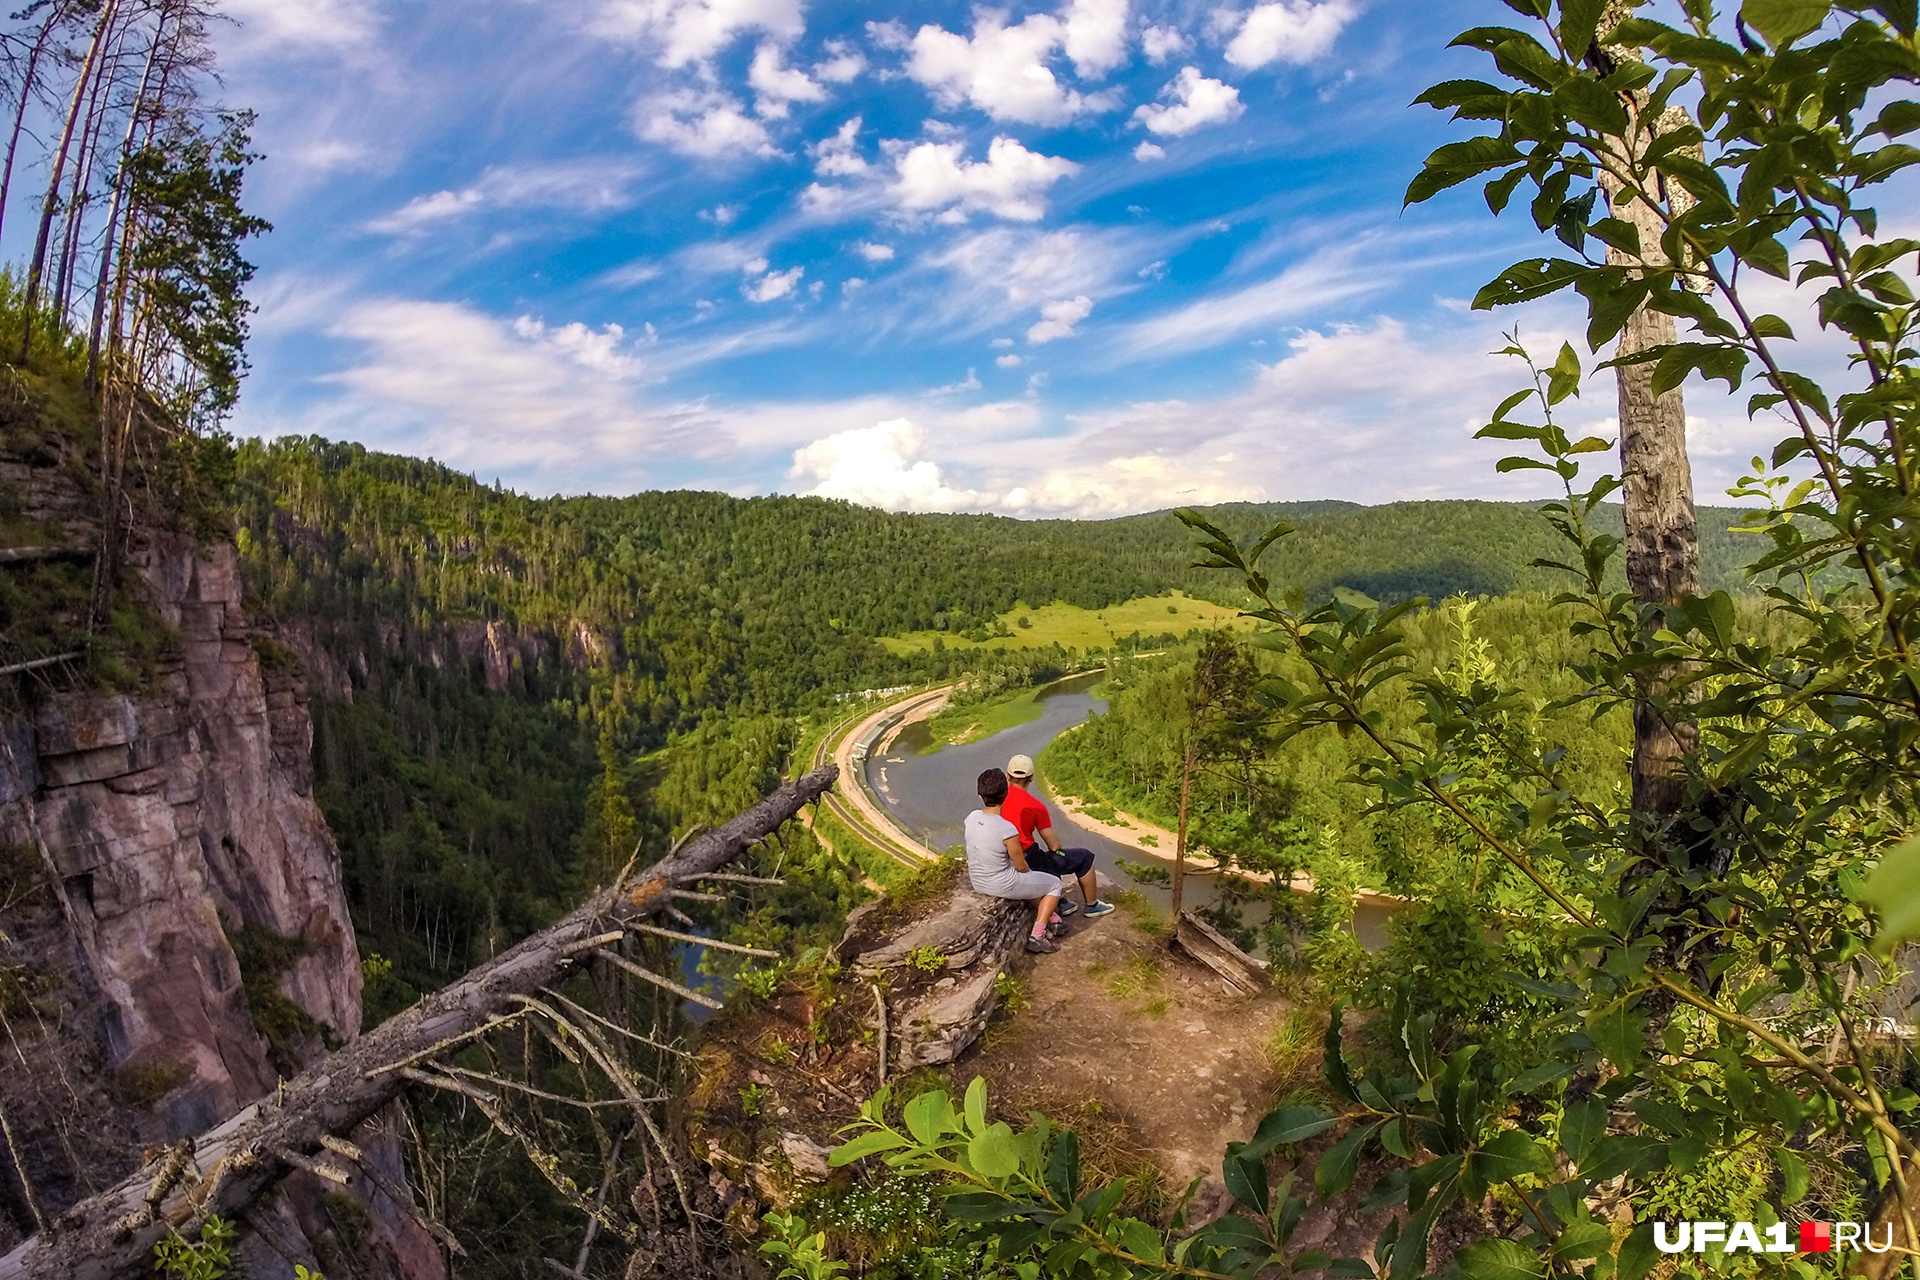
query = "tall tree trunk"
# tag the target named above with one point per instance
(26, 98)
(78, 192)
(1187, 761)
(52, 202)
(1662, 540)
(110, 250)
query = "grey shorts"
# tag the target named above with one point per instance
(1025, 886)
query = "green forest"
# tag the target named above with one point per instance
(648, 634)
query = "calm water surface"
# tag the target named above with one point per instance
(930, 795)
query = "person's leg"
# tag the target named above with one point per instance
(1037, 939)
(1080, 867)
(1056, 863)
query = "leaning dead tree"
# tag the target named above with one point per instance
(307, 1125)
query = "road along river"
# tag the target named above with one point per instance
(929, 795)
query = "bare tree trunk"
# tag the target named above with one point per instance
(79, 192)
(1188, 759)
(27, 82)
(1662, 540)
(52, 202)
(113, 1234)
(110, 250)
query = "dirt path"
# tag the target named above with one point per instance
(1148, 1054)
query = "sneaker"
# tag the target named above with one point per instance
(1098, 907)
(1068, 907)
(1040, 945)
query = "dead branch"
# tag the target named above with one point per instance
(609, 1024)
(648, 975)
(400, 1196)
(735, 877)
(695, 939)
(342, 1090)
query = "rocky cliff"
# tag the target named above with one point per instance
(174, 936)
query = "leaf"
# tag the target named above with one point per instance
(977, 1105)
(1283, 1125)
(1336, 1062)
(1246, 1179)
(1578, 21)
(1782, 22)
(925, 1116)
(1793, 1176)
(1511, 1154)
(865, 1145)
(1525, 281)
(1637, 1254)
(1618, 1035)
(1063, 1168)
(1335, 1171)
(1893, 889)
(1499, 1259)
(993, 1152)
(1581, 1127)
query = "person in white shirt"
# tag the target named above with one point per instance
(997, 865)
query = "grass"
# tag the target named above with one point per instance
(1146, 918)
(1293, 1051)
(1072, 627)
(957, 725)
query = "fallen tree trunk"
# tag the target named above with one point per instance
(238, 1161)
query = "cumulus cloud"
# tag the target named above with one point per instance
(705, 124)
(842, 63)
(880, 466)
(1011, 183)
(1190, 101)
(838, 155)
(875, 252)
(1096, 35)
(1010, 360)
(1296, 31)
(1001, 70)
(773, 284)
(596, 349)
(1162, 43)
(777, 85)
(594, 186)
(1058, 318)
(689, 31)
(1149, 151)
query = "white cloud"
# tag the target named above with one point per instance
(777, 85)
(1147, 151)
(1192, 102)
(852, 284)
(1058, 318)
(875, 252)
(879, 466)
(1296, 31)
(596, 349)
(1001, 70)
(688, 31)
(1010, 361)
(838, 155)
(1096, 36)
(333, 26)
(773, 285)
(1353, 269)
(1161, 43)
(591, 186)
(969, 383)
(842, 63)
(699, 123)
(1011, 183)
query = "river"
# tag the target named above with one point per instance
(931, 794)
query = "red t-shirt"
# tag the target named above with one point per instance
(1027, 814)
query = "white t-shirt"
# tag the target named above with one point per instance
(989, 867)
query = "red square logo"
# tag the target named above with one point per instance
(1816, 1237)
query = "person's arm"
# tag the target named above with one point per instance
(1046, 834)
(1015, 852)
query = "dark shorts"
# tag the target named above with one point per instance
(1064, 862)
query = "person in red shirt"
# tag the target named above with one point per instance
(1041, 847)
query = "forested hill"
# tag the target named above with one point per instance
(695, 622)
(340, 531)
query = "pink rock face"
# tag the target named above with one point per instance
(182, 817)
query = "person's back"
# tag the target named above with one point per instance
(989, 867)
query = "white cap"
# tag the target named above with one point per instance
(1020, 767)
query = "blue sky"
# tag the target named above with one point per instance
(1082, 258)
